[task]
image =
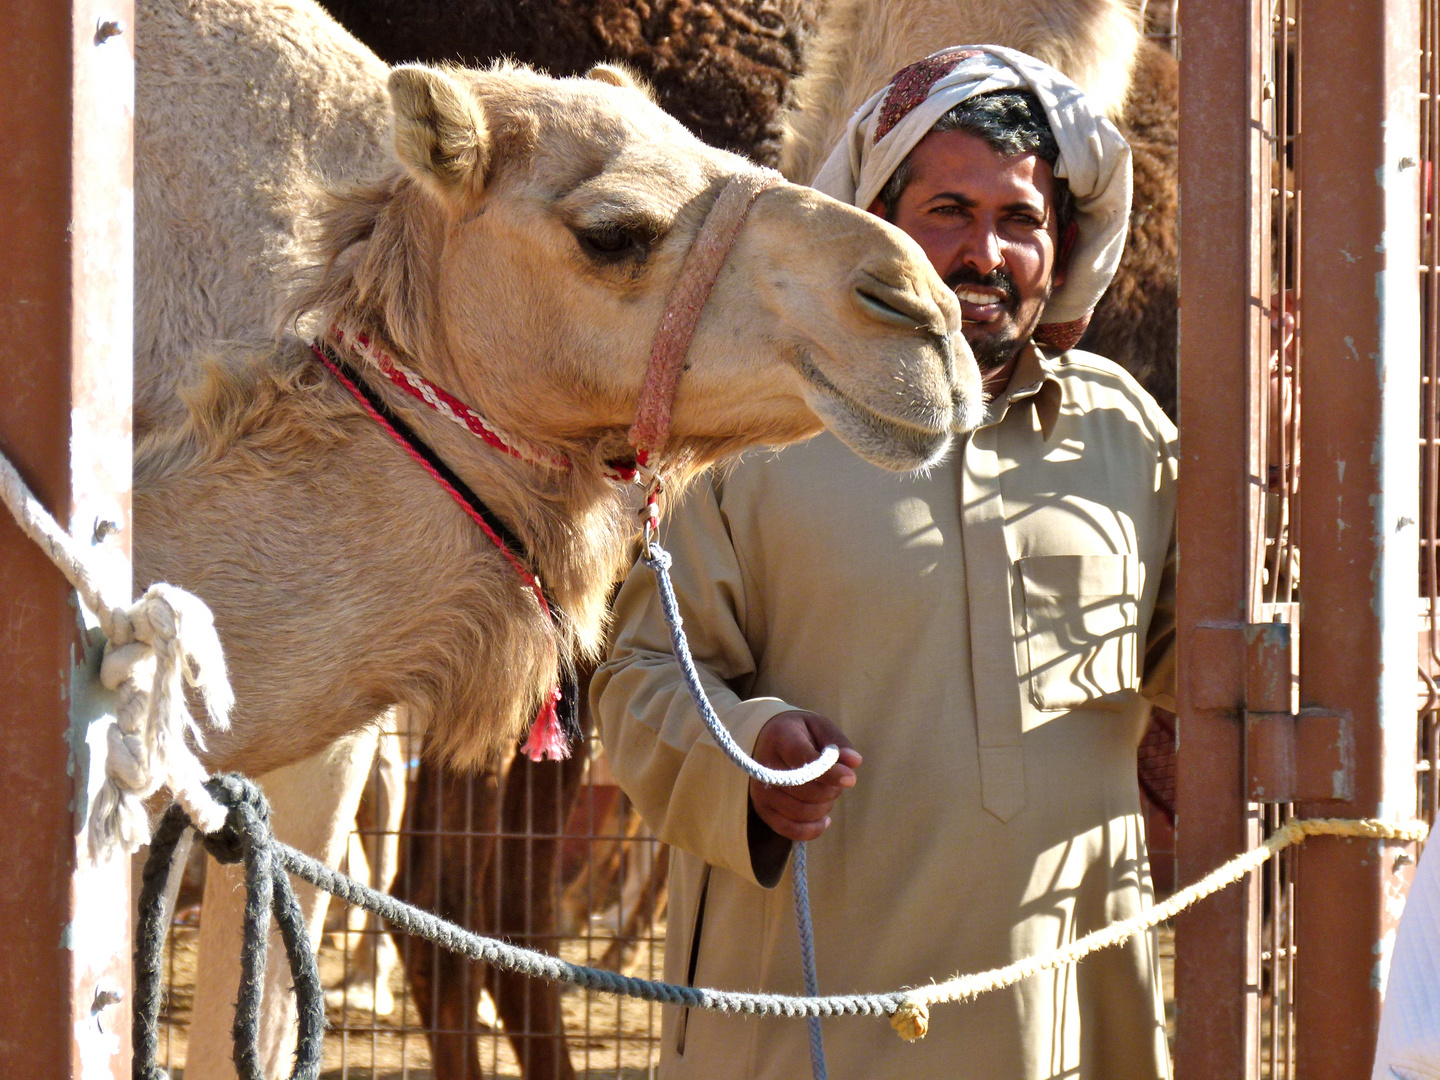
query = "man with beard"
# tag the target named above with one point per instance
(987, 634)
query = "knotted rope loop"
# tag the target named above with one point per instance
(244, 836)
(155, 649)
(911, 1020)
(247, 818)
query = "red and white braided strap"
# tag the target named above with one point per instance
(442, 401)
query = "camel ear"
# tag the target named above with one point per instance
(620, 75)
(440, 134)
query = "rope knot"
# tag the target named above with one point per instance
(247, 817)
(911, 1019)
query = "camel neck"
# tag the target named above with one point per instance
(556, 726)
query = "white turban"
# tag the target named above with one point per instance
(1094, 159)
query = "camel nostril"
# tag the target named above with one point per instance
(895, 307)
(885, 312)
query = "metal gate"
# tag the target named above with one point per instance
(1300, 527)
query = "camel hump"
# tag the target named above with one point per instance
(441, 137)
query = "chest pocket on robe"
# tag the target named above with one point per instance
(1081, 627)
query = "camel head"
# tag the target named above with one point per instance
(523, 253)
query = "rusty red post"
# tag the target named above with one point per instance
(1221, 330)
(1358, 145)
(66, 224)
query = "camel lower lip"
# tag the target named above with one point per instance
(816, 377)
(888, 443)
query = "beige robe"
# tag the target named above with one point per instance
(986, 636)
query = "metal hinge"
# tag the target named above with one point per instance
(1291, 754)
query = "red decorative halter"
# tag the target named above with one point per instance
(442, 401)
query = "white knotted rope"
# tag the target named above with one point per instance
(154, 648)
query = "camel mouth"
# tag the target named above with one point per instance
(880, 440)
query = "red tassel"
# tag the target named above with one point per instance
(546, 741)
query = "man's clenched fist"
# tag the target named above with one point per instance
(787, 741)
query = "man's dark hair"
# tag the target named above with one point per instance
(1010, 122)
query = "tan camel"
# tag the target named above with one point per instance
(861, 43)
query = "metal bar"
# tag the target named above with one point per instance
(1360, 256)
(1429, 749)
(1216, 962)
(65, 318)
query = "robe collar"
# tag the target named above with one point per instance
(1033, 380)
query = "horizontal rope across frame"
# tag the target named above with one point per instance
(249, 837)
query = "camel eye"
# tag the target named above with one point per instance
(614, 241)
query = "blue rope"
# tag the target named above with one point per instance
(807, 957)
(658, 559)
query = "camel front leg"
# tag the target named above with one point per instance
(312, 807)
(374, 853)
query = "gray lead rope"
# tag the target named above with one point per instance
(246, 836)
(658, 559)
(807, 958)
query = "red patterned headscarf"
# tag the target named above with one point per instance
(1094, 160)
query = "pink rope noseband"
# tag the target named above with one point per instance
(687, 299)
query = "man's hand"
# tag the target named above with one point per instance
(787, 741)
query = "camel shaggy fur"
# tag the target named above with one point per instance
(721, 67)
(242, 111)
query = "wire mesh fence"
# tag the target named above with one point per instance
(551, 856)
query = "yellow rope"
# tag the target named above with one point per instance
(912, 1019)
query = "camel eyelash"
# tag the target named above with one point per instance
(614, 241)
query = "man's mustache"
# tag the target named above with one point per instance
(996, 279)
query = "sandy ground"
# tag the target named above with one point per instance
(608, 1038)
